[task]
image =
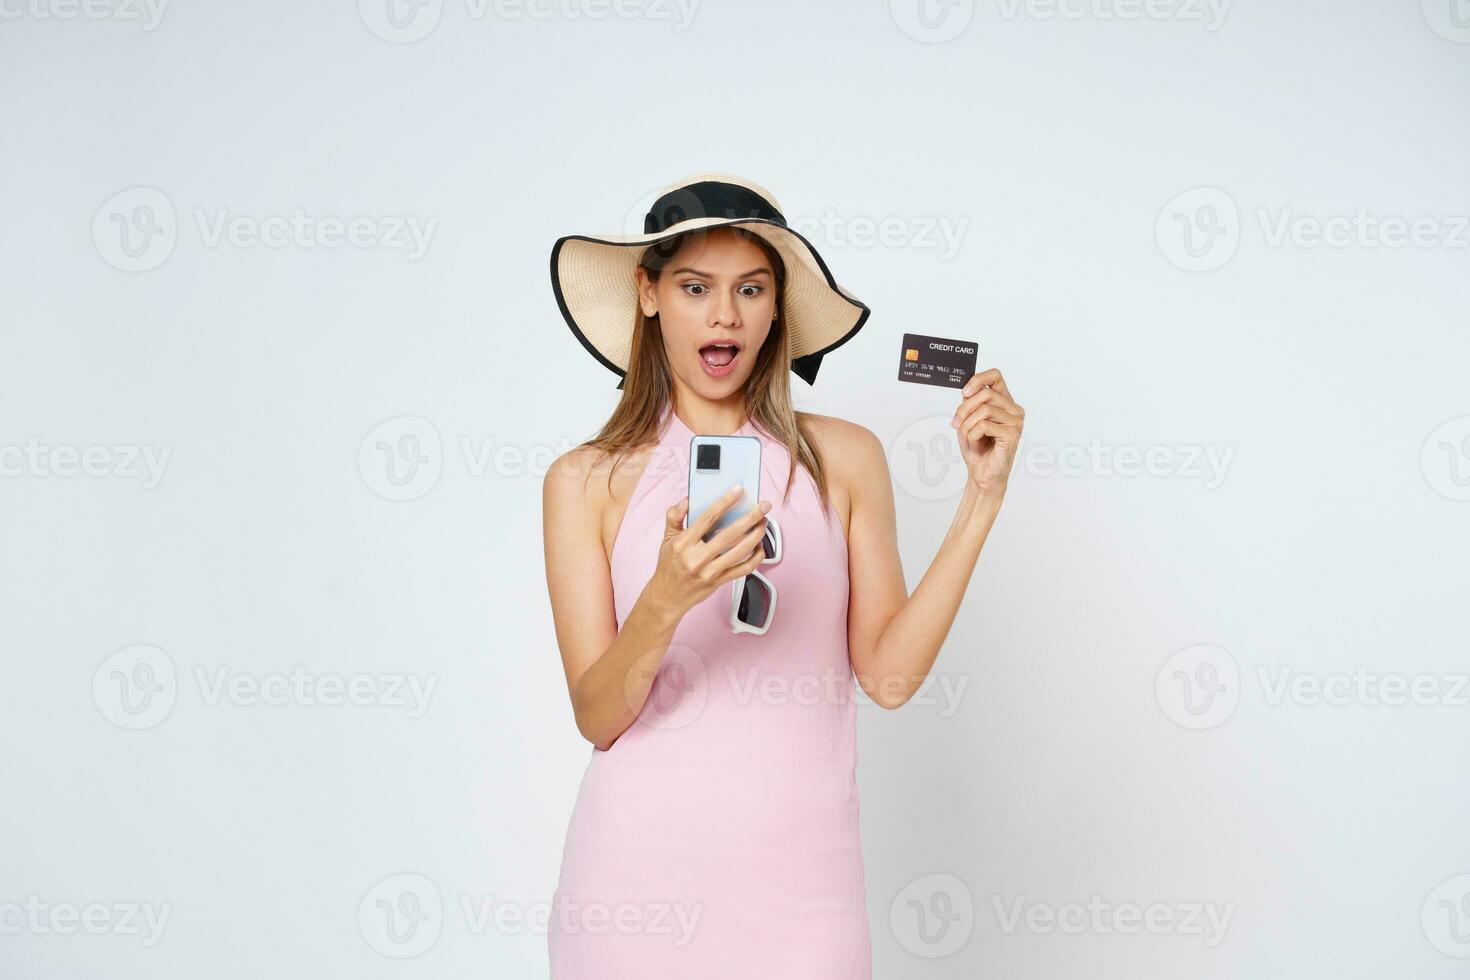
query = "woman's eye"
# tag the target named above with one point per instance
(755, 291)
(693, 285)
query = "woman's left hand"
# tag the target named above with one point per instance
(988, 425)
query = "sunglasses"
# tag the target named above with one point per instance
(753, 597)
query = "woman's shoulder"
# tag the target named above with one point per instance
(839, 440)
(588, 484)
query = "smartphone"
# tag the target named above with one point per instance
(717, 463)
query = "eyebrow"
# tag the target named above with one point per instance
(761, 270)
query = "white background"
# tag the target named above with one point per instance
(1057, 142)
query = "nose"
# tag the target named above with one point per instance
(723, 311)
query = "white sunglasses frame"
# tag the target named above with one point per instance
(737, 592)
(737, 587)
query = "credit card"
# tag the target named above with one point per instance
(936, 361)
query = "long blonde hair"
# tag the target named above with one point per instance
(648, 385)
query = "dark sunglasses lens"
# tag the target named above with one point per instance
(755, 603)
(768, 542)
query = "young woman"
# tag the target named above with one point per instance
(715, 833)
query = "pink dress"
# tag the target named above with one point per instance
(718, 836)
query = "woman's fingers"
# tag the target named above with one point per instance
(735, 541)
(700, 526)
(989, 377)
(744, 568)
(998, 429)
(989, 396)
(987, 410)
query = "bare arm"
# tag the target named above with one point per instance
(893, 637)
(609, 671)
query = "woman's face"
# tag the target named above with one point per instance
(715, 300)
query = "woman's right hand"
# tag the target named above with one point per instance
(690, 568)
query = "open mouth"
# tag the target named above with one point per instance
(719, 357)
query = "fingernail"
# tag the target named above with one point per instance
(954, 422)
(765, 506)
(737, 488)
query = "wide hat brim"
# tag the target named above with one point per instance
(593, 278)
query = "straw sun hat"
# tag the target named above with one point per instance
(593, 274)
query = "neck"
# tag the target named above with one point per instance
(701, 415)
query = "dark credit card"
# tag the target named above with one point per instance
(936, 361)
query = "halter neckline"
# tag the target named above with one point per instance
(673, 428)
